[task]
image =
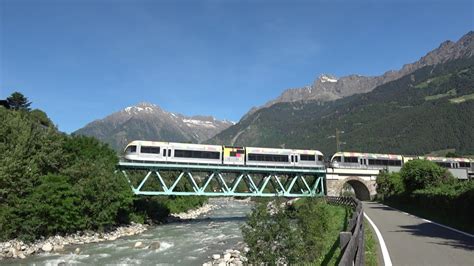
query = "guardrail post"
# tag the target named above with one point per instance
(344, 238)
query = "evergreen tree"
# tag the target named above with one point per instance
(18, 101)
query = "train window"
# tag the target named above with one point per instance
(444, 164)
(148, 149)
(307, 157)
(464, 164)
(197, 154)
(132, 148)
(320, 158)
(351, 159)
(336, 159)
(394, 163)
(268, 157)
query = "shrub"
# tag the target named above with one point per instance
(55, 207)
(420, 174)
(389, 184)
(277, 235)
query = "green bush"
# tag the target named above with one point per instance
(314, 222)
(420, 174)
(425, 189)
(271, 237)
(55, 207)
(389, 184)
(306, 232)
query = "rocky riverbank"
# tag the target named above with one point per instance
(232, 257)
(17, 249)
(191, 214)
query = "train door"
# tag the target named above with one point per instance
(294, 159)
(167, 154)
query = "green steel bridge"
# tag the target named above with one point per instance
(167, 179)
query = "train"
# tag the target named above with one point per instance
(174, 152)
(461, 168)
(165, 152)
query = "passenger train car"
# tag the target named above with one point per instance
(460, 167)
(151, 151)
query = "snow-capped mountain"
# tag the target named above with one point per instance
(149, 122)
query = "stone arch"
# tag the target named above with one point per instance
(361, 189)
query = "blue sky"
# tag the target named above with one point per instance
(82, 60)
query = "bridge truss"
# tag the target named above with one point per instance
(219, 180)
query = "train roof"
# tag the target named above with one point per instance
(369, 155)
(261, 149)
(158, 143)
(445, 159)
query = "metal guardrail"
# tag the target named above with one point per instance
(351, 241)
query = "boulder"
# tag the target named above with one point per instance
(216, 256)
(155, 245)
(47, 247)
(235, 253)
(77, 251)
(21, 255)
(58, 248)
(227, 256)
(139, 244)
(238, 263)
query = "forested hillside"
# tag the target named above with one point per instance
(52, 183)
(428, 110)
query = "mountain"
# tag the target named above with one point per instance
(149, 122)
(428, 109)
(328, 87)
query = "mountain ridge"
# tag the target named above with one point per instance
(323, 89)
(149, 121)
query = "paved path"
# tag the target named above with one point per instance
(414, 241)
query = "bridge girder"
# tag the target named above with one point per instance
(286, 182)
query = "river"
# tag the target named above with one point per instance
(183, 243)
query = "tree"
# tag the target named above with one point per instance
(18, 101)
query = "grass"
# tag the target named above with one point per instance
(340, 216)
(370, 246)
(462, 98)
(332, 252)
(441, 95)
(433, 81)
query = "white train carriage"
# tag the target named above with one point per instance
(282, 157)
(459, 167)
(139, 150)
(308, 158)
(173, 152)
(151, 151)
(392, 162)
